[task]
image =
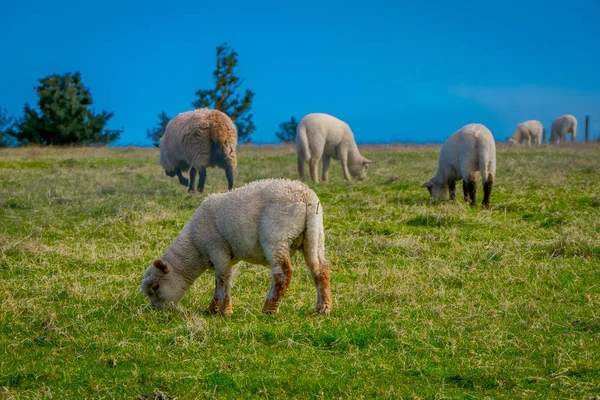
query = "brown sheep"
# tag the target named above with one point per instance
(199, 139)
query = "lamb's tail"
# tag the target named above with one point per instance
(223, 147)
(487, 160)
(302, 148)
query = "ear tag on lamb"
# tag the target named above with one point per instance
(161, 266)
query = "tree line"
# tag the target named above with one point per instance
(64, 114)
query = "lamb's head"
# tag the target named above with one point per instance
(358, 168)
(437, 190)
(162, 286)
(511, 141)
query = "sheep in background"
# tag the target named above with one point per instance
(562, 126)
(199, 139)
(324, 136)
(528, 131)
(264, 222)
(466, 151)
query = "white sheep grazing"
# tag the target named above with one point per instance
(264, 222)
(528, 131)
(199, 139)
(562, 126)
(470, 149)
(324, 136)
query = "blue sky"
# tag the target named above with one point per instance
(395, 71)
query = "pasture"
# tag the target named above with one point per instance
(430, 300)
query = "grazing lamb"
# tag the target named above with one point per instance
(562, 126)
(466, 151)
(322, 135)
(264, 222)
(528, 131)
(199, 139)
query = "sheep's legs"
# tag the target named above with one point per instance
(321, 278)
(470, 190)
(314, 169)
(282, 275)
(192, 179)
(182, 179)
(487, 192)
(319, 269)
(213, 307)
(344, 160)
(301, 168)
(452, 188)
(222, 296)
(229, 175)
(325, 171)
(201, 178)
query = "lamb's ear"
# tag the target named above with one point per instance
(156, 145)
(365, 161)
(429, 183)
(161, 266)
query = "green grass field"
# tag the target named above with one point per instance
(430, 300)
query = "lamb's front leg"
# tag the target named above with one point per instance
(281, 270)
(213, 307)
(224, 271)
(314, 168)
(452, 188)
(324, 172)
(344, 161)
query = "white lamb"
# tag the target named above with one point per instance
(199, 139)
(528, 131)
(264, 222)
(562, 126)
(466, 151)
(324, 136)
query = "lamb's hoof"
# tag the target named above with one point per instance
(270, 308)
(226, 311)
(185, 183)
(324, 310)
(212, 311)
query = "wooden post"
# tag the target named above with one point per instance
(587, 128)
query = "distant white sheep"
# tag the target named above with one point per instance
(470, 149)
(324, 136)
(529, 131)
(264, 222)
(561, 127)
(199, 139)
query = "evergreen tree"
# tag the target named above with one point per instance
(7, 123)
(156, 133)
(287, 131)
(224, 97)
(63, 116)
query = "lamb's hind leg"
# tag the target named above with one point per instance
(201, 178)
(319, 269)
(470, 189)
(192, 179)
(487, 191)
(281, 270)
(301, 163)
(229, 175)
